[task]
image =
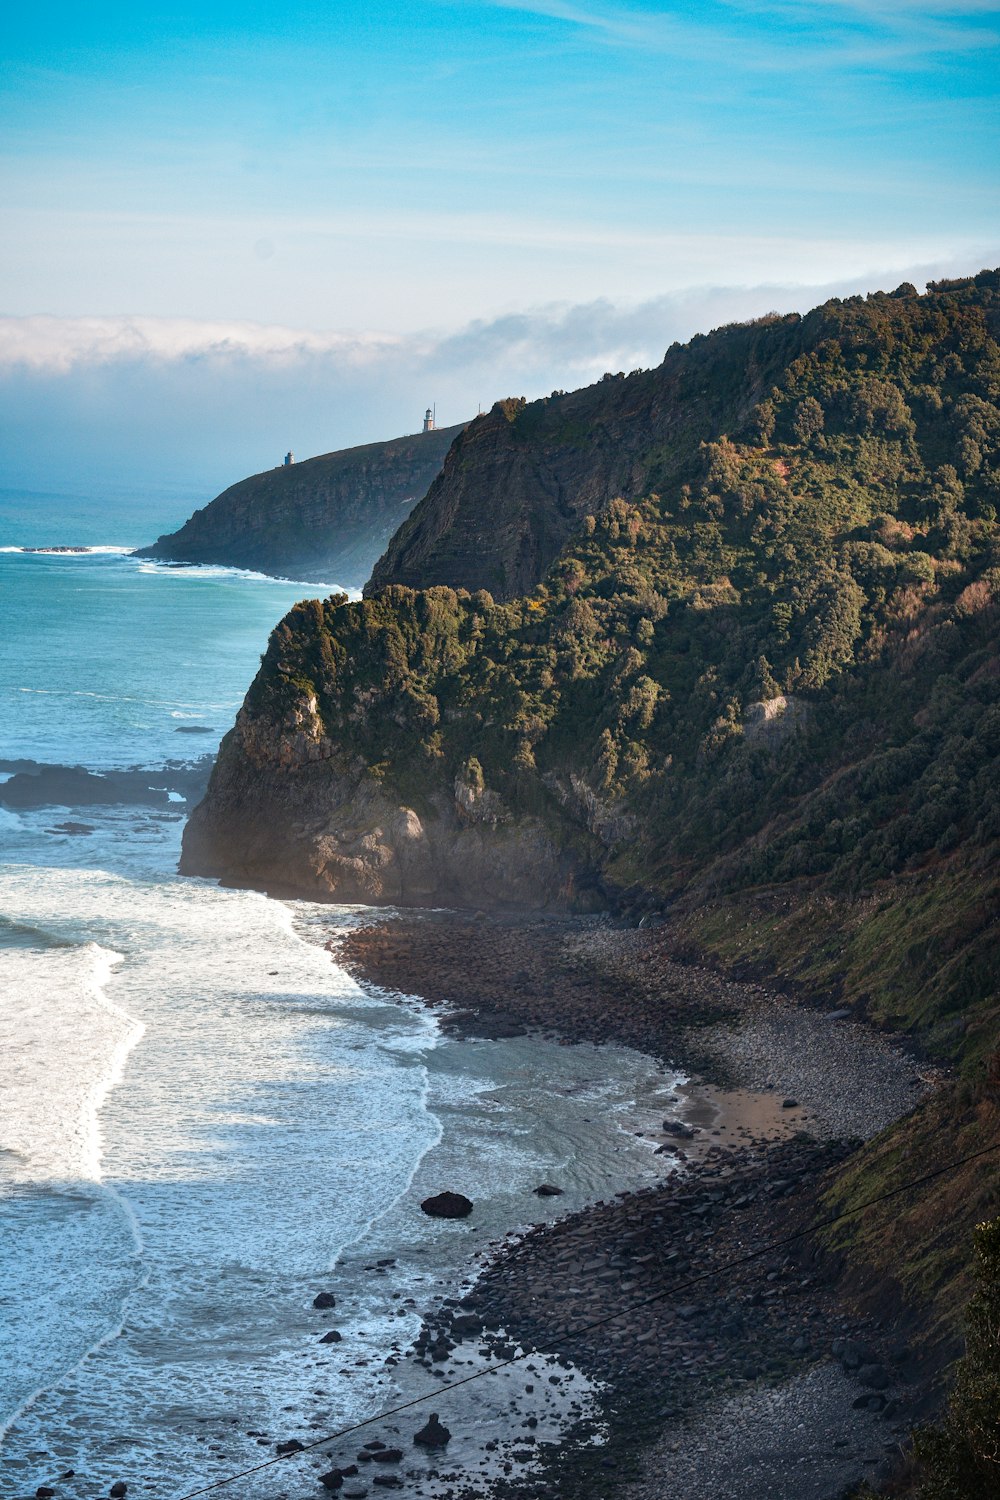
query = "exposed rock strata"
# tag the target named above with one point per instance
(324, 519)
(288, 812)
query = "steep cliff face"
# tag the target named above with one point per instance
(521, 478)
(288, 812)
(777, 670)
(326, 518)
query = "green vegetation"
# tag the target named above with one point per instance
(763, 700)
(840, 548)
(961, 1459)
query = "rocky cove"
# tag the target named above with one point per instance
(762, 1377)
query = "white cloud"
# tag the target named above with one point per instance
(579, 336)
(48, 343)
(106, 402)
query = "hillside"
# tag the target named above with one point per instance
(741, 679)
(325, 519)
(759, 704)
(523, 477)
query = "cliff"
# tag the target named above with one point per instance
(758, 703)
(325, 519)
(754, 676)
(521, 478)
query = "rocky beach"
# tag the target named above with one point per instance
(764, 1377)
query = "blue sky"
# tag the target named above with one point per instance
(403, 181)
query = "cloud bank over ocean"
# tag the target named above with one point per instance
(127, 402)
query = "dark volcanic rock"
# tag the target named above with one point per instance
(325, 1299)
(447, 1205)
(333, 1337)
(547, 1190)
(118, 1489)
(434, 1434)
(327, 518)
(334, 1480)
(73, 786)
(291, 1446)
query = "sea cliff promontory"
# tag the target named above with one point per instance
(325, 519)
(750, 696)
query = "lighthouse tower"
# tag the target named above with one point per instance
(429, 420)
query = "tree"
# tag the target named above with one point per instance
(961, 1459)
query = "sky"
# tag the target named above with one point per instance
(233, 229)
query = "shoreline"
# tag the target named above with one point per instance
(742, 1349)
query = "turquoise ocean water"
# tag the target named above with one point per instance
(203, 1119)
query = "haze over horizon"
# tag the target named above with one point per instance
(236, 230)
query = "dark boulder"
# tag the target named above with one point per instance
(389, 1456)
(679, 1130)
(44, 1493)
(434, 1434)
(118, 1489)
(547, 1190)
(873, 1376)
(333, 1337)
(447, 1206)
(324, 1300)
(292, 1446)
(332, 1481)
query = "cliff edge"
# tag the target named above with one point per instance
(325, 519)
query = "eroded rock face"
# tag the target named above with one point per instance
(325, 519)
(287, 811)
(771, 721)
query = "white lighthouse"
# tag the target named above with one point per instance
(429, 419)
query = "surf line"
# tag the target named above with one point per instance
(104, 963)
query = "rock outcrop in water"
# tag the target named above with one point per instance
(326, 518)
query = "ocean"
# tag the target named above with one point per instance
(204, 1121)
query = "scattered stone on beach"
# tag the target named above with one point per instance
(334, 1480)
(333, 1337)
(447, 1205)
(291, 1446)
(324, 1300)
(548, 1190)
(789, 1104)
(388, 1456)
(679, 1130)
(434, 1434)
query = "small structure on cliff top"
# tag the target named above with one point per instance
(289, 459)
(430, 418)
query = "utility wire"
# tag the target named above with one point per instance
(680, 1286)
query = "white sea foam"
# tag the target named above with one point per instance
(149, 565)
(274, 1131)
(70, 551)
(63, 1045)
